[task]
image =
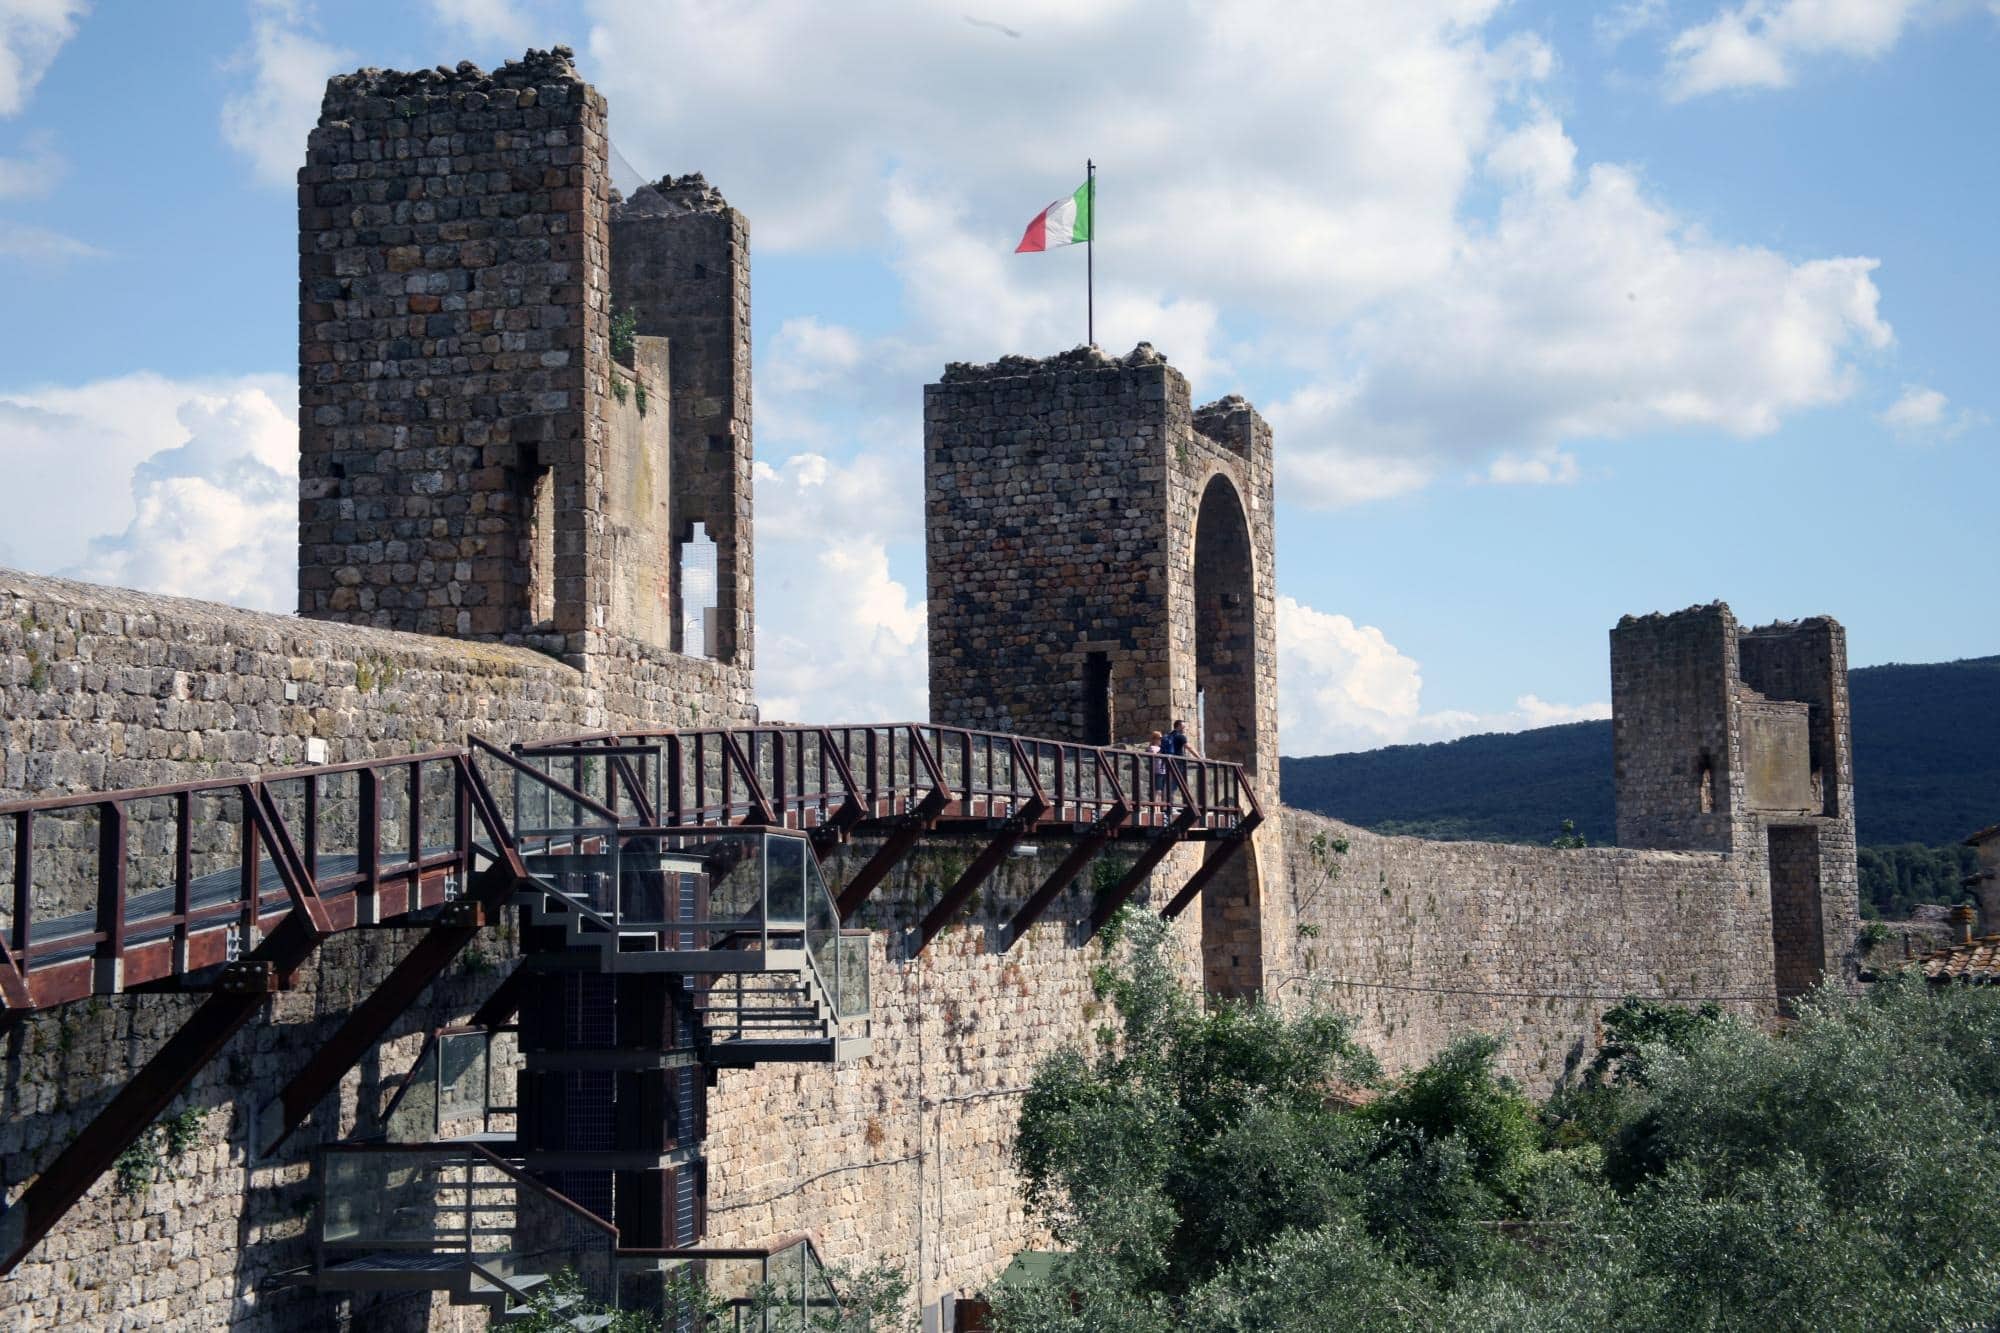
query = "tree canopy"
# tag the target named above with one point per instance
(1233, 1168)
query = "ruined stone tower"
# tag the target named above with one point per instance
(680, 265)
(477, 459)
(1737, 741)
(1100, 564)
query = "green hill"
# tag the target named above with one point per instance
(1926, 772)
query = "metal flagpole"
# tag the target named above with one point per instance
(1090, 254)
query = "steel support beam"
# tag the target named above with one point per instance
(1156, 850)
(147, 1094)
(1089, 843)
(1218, 856)
(367, 1021)
(504, 1004)
(893, 849)
(968, 883)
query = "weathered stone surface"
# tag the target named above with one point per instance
(484, 199)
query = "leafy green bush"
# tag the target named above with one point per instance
(1208, 1171)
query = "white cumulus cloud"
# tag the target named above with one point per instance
(216, 517)
(846, 643)
(1761, 43)
(283, 71)
(1920, 412)
(31, 32)
(1375, 203)
(1587, 310)
(1547, 466)
(1343, 686)
(186, 487)
(839, 637)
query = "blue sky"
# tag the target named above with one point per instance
(1561, 312)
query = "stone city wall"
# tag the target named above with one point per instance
(901, 1157)
(1424, 941)
(102, 688)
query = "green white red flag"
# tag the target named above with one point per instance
(1065, 222)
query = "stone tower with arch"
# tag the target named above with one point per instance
(1100, 564)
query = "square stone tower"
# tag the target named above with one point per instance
(477, 458)
(1101, 563)
(454, 279)
(1100, 555)
(1737, 741)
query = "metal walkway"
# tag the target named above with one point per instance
(226, 887)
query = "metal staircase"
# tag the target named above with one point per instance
(742, 912)
(651, 956)
(458, 1218)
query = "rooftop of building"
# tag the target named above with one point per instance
(1975, 961)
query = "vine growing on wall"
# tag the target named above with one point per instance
(624, 334)
(152, 1154)
(1323, 854)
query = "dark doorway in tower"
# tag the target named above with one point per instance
(1098, 711)
(1225, 659)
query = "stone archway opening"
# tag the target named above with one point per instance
(1225, 680)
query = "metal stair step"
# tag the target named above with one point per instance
(517, 1282)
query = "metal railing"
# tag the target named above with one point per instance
(458, 1209)
(104, 891)
(118, 889)
(783, 1288)
(731, 889)
(458, 1081)
(806, 777)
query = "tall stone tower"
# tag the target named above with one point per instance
(1100, 564)
(1737, 741)
(477, 457)
(454, 351)
(680, 265)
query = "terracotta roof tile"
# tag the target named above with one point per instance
(1976, 961)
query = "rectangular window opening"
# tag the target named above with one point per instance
(701, 617)
(1097, 706)
(542, 546)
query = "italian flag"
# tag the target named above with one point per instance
(1065, 222)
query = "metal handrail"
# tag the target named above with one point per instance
(513, 1172)
(992, 768)
(110, 935)
(174, 921)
